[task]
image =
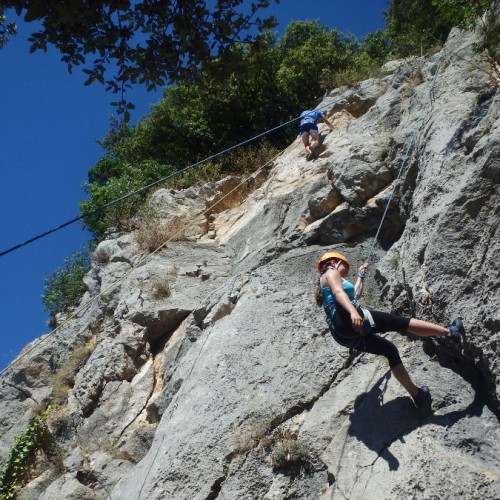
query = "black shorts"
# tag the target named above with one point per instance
(343, 332)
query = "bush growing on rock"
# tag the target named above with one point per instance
(64, 287)
(289, 454)
(64, 378)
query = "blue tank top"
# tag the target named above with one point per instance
(329, 302)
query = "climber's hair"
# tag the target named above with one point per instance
(318, 294)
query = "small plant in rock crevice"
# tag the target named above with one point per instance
(64, 378)
(382, 154)
(289, 454)
(154, 231)
(162, 288)
(394, 260)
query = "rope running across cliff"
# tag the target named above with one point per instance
(194, 165)
(143, 260)
(162, 180)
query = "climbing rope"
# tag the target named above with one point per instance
(402, 166)
(183, 229)
(161, 181)
(180, 231)
(141, 262)
(143, 188)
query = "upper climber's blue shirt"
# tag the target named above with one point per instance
(310, 116)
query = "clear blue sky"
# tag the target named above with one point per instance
(48, 130)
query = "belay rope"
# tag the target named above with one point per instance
(162, 180)
(142, 261)
(401, 168)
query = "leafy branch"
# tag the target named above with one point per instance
(122, 43)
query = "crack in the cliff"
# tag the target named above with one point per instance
(389, 443)
(142, 409)
(89, 408)
(284, 209)
(361, 469)
(217, 485)
(484, 101)
(88, 478)
(25, 393)
(226, 308)
(307, 405)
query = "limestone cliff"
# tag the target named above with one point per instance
(209, 357)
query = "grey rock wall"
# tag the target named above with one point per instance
(209, 356)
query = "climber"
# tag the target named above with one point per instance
(309, 128)
(355, 328)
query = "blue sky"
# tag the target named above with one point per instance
(48, 130)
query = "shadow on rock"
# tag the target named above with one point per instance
(378, 424)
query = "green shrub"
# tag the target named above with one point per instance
(162, 289)
(64, 287)
(22, 455)
(289, 454)
(265, 86)
(414, 26)
(470, 14)
(361, 68)
(112, 179)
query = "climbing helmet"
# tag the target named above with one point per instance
(332, 255)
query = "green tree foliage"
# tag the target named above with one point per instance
(464, 13)
(309, 52)
(414, 26)
(149, 42)
(111, 179)
(6, 29)
(377, 46)
(268, 83)
(195, 120)
(64, 287)
(469, 14)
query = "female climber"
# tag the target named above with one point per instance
(355, 328)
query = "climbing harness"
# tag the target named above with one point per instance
(368, 321)
(141, 262)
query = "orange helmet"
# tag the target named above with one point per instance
(332, 255)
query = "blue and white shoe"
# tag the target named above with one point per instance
(457, 330)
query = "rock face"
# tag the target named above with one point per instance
(209, 372)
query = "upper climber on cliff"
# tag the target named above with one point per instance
(309, 120)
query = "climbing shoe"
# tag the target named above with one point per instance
(423, 398)
(457, 330)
